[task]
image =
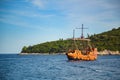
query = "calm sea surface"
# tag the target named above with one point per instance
(57, 67)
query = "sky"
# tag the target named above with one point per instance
(30, 22)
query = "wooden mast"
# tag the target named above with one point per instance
(73, 34)
(82, 36)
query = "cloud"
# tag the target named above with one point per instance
(74, 12)
(11, 20)
(14, 20)
(22, 22)
(32, 14)
(37, 3)
(89, 11)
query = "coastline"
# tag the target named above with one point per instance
(108, 52)
(104, 52)
(40, 53)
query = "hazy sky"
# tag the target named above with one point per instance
(29, 22)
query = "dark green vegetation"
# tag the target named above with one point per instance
(109, 40)
(59, 46)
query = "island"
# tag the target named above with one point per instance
(107, 43)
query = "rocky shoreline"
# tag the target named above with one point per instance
(105, 52)
(39, 53)
(108, 52)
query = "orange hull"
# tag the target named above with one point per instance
(77, 55)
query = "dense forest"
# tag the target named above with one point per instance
(109, 40)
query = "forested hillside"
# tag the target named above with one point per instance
(109, 40)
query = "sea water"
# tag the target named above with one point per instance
(57, 67)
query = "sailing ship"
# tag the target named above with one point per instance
(84, 52)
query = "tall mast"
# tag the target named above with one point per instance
(82, 32)
(82, 36)
(73, 34)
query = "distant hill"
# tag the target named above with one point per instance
(109, 40)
